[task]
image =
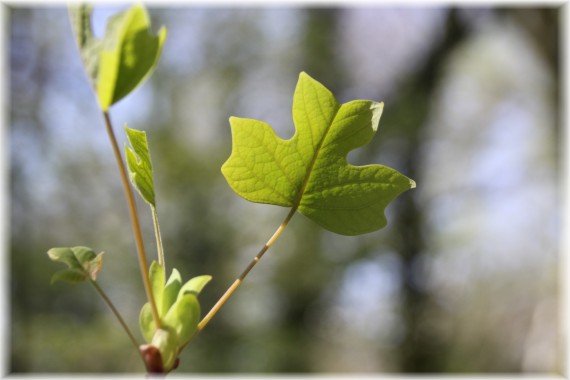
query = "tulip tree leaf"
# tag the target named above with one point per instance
(139, 164)
(82, 262)
(310, 171)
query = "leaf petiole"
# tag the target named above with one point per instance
(158, 237)
(240, 279)
(116, 313)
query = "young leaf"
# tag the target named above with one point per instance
(129, 54)
(171, 290)
(146, 322)
(82, 263)
(89, 46)
(156, 274)
(73, 276)
(194, 285)
(184, 316)
(310, 172)
(139, 164)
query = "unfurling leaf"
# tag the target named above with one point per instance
(310, 171)
(83, 264)
(128, 56)
(124, 58)
(184, 316)
(89, 46)
(178, 305)
(194, 285)
(139, 164)
(146, 322)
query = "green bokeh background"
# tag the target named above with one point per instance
(465, 277)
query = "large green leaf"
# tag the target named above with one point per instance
(310, 171)
(139, 164)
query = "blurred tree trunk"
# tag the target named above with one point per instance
(422, 350)
(318, 60)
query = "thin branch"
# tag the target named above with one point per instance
(117, 314)
(143, 265)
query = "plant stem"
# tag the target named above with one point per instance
(159, 247)
(240, 279)
(143, 265)
(116, 312)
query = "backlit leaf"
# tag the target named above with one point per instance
(89, 46)
(310, 171)
(124, 57)
(139, 164)
(128, 55)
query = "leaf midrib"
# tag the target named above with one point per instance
(305, 182)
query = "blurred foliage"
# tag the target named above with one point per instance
(463, 279)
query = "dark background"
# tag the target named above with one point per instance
(465, 277)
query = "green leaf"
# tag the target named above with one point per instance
(194, 285)
(156, 274)
(171, 290)
(89, 46)
(184, 316)
(83, 263)
(73, 276)
(128, 55)
(139, 164)
(310, 171)
(146, 322)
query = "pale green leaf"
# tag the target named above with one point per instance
(184, 316)
(83, 263)
(171, 290)
(139, 164)
(156, 274)
(146, 322)
(128, 56)
(89, 46)
(194, 285)
(64, 255)
(310, 171)
(69, 275)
